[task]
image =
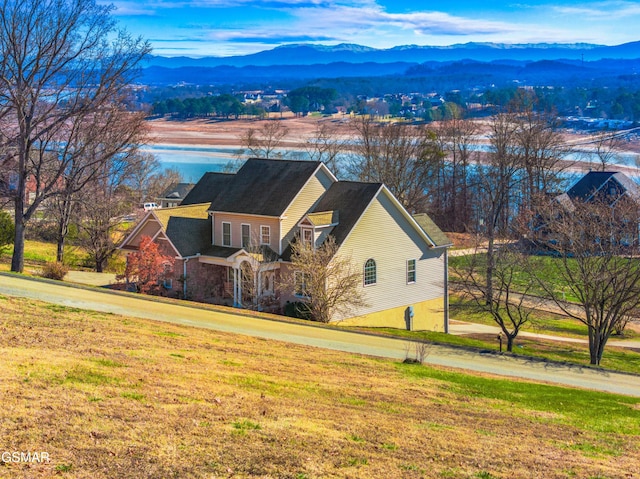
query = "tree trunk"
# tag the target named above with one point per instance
(595, 347)
(510, 339)
(17, 260)
(63, 228)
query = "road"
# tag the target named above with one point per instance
(191, 315)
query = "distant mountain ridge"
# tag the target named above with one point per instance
(308, 54)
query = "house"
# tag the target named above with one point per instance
(231, 221)
(174, 195)
(611, 198)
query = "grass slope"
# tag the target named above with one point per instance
(109, 396)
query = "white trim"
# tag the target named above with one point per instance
(320, 166)
(261, 235)
(404, 212)
(308, 229)
(143, 222)
(242, 245)
(230, 234)
(213, 228)
(364, 273)
(241, 214)
(415, 271)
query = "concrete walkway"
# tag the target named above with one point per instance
(189, 314)
(90, 278)
(461, 328)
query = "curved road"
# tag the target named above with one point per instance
(191, 315)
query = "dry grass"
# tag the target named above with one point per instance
(116, 397)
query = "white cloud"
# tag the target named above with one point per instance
(601, 11)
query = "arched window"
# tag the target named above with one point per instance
(370, 273)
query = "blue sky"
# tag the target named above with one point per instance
(234, 27)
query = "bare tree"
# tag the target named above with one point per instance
(541, 149)
(403, 157)
(328, 283)
(453, 209)
(596, 245)
(65, 206)
(258, 276)
(63, 83)
(607, 147)
(326, 145)
(102, 206)
(505, 298)
(264, 142)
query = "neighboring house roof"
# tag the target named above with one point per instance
(264, 187)
(206, 190)
(594, 181)
(436, 235)
(177, 191)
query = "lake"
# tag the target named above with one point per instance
(194, 161)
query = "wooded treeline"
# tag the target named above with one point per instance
(620, 103)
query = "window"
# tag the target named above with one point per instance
(411, 271)
(265, 235)
(301, 281)
(307, 236)
(246, 236)
(226, 234)
(370, 272)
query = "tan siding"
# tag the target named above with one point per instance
(386, 236)
(150, 228)
(236, 229)
(307, 197)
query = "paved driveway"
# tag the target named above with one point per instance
(191, 315)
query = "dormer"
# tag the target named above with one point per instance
(315, 227)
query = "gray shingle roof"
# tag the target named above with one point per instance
(177, 191)
(209, 186)
(189, 235)
(594, 181)
(349, 199)
(264, 187)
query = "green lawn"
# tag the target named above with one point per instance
(110, 396)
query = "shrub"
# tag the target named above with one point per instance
(54, 270)
(6, 230)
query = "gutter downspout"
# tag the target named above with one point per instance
(446, 290)
(184, 274)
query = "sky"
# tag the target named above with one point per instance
(198, 28)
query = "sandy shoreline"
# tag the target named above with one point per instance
(227, 134)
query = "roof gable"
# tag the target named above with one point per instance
(602, 181)
(347, 200)
(264, 187)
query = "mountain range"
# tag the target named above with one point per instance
(307, 54)
(470, 65)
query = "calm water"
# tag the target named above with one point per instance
(194, 161)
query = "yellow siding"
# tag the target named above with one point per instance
(308, 196)
(427, 316)
(236, 229)
(385, 235)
